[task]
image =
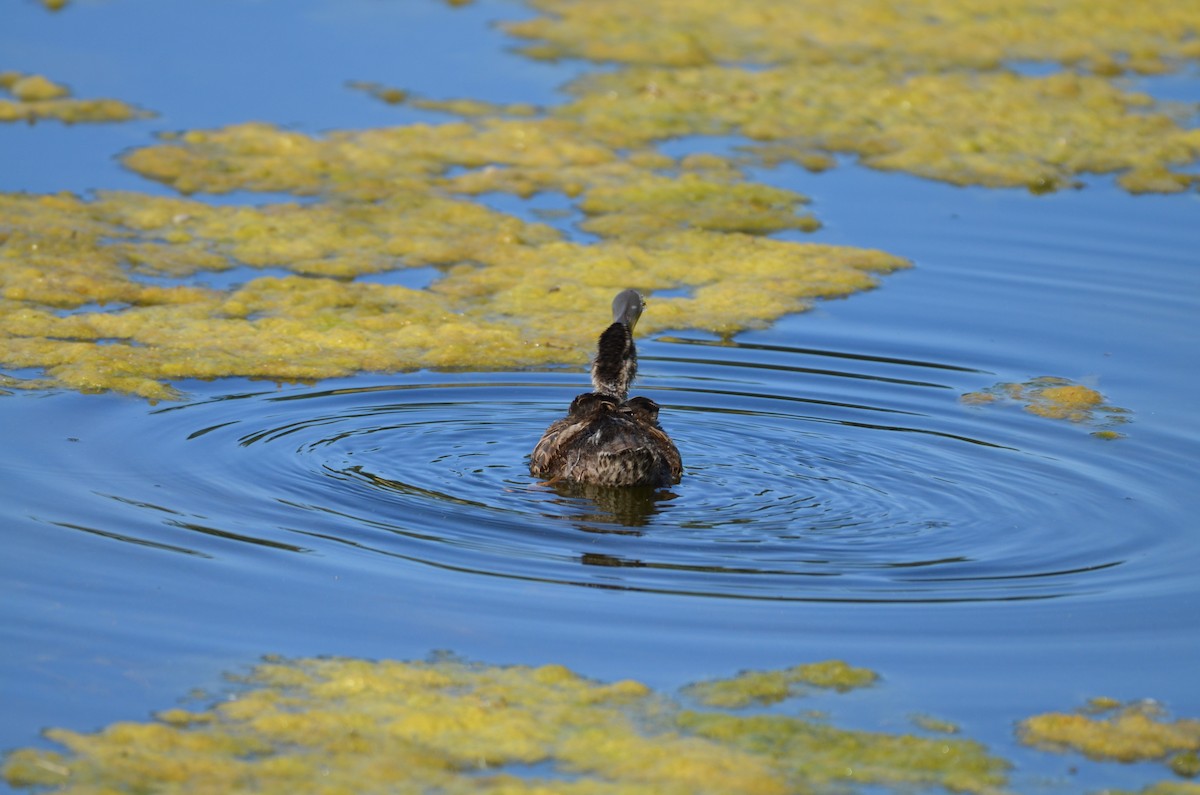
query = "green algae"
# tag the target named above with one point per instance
(992, 129)
(1057, 399)
(920, 88)
(826, 758)
(769, 687)
(1185, 764)
(655, 204)
(1162, 788)
(1130, 732)
(334, 725)
(934, 724)
(126, 270)
(345, 725)
(1103, 35)
(111, 294)
(36, 98)
(464, 107)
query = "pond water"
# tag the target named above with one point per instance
(839, 499)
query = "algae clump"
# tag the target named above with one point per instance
(1162, 788)
(1057, 399)
(116, 293)
(768, 687)
(36, 97)
(924, 93)
(934, 724)
(922, 89)
(446, 725)
(1130, 732)
(1099, 34)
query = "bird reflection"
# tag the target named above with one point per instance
(620, 510)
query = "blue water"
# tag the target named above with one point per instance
(839, 500)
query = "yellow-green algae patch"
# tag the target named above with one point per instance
(1126, 733)
(657, 203)
(934, 724)
(345, 725)
(920, 87)
(109, 294)
(996, 129)
(363, 164)
(36, 97)
(1101, 34)
(824, 757)
(1161, 788)
(464, 107)
(624, 193)
(769, 687)
(1057, 399)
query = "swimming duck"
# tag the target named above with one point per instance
(607, 438)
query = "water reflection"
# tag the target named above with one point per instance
(596, 509)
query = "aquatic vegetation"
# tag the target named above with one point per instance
(35, 97)
(769, 687)
(655, 204)
(924, 91)
(934, 724)
(993, 129)
(32, 88)
(1126, 733)
(1185, 764)
(1162, 788)
(112, 293)
(1057, 399)
(823, 757)
(1102, 35)
(331, 725)
(464, 107)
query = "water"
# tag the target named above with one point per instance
(839, 499)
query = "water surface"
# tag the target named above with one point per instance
(839, 499)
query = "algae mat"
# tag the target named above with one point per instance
(447, 725)
(121, 291)
(339, 725)
(76, 302)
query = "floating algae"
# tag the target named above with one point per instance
(130, 269)
(1125, 733)
(934, 724)
(769, 687)
(465, 107)
(35, 97)
(1100, 34)
(994, 129)
(333, 725)
(920, 92)
(1057, 399)
(1162, 788)
(921, 89)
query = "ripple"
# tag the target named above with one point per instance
(810, 476)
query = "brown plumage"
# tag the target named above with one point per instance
(606, 439)
(608, 443)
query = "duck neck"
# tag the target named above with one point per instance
(615, 365)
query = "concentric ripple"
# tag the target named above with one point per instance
(810, 475)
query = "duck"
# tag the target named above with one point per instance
(608, 438)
